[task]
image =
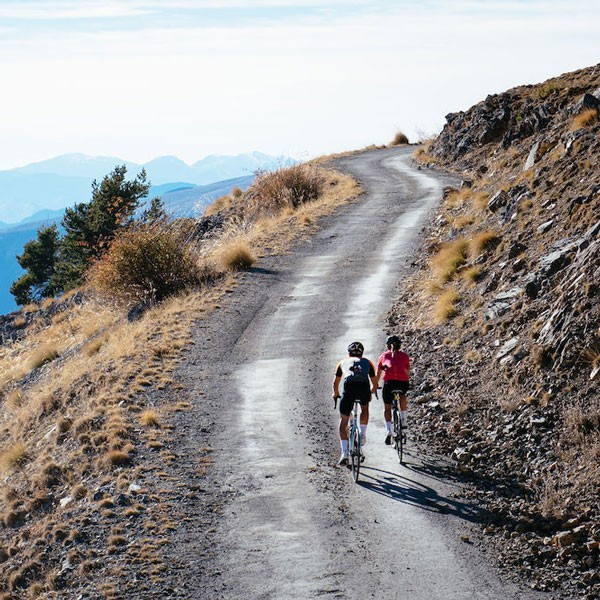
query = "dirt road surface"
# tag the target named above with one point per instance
(279, 518)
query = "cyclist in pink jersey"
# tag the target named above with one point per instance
(395, 366)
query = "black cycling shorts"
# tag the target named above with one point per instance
(392, 385)
(354, 390)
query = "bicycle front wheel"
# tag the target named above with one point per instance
(355, 454)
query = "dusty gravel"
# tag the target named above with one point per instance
(263, 510)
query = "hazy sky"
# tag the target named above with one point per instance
(144, 78)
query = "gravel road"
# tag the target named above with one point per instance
(280, 519)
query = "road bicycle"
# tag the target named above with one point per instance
(354, 441)
(398, 432)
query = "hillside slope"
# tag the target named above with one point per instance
(502, 318)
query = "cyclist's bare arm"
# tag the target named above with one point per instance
(336, 387)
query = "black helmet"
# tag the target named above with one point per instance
(356, 349)
(394, 341)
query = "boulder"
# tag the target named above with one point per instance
(586, 102)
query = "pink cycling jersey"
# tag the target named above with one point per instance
(396, 366)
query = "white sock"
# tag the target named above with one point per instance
(388, 426)
(344, 444)
(403, 417)
(363, 430)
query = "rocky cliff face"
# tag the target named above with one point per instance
(502, 318)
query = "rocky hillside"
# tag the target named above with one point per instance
(502, 318)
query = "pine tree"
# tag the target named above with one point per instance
(91, 227)
(39, 259)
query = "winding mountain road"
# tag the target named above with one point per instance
(290, 523)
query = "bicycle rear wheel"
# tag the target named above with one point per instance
(355, 453)
(398, 436)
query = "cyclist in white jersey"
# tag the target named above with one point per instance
(358, 378)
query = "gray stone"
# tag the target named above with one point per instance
(552, 263)
(586, 102)
(498, 200)
(544, 227)
(531, 158)
(507, 347)
(502, 303)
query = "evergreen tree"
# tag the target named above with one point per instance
(39, 259)
(155, 212)
(91, 227)
(57, 264)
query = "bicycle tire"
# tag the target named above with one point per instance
(355, 454)
(398, 436)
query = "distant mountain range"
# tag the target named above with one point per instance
(37, 194)
(64, 180)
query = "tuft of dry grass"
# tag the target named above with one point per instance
(117, 458)
(450, 257)
(473, 274)
(484, 241)
(237, 256)
(585, 119)
(14, 457)
(399, 139)
(445, 306)
(149, 418)
(44, 354)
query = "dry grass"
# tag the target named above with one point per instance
(450, 257)
(399, 139)
(473, 274)
(485, 241)
(585, 119)
(149, 418)
(43, 355)
(422, 154)
(14, 457)
(292, 187)
(445, 306)
(237, 256)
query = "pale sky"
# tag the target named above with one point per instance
(139, 79)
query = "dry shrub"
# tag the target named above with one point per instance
(284, 187)
(237, 256)
(14, 457)
(147, 264)
(445, 307)
(399, 139)
(449, 258)
(485, 241)
(585, 119)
